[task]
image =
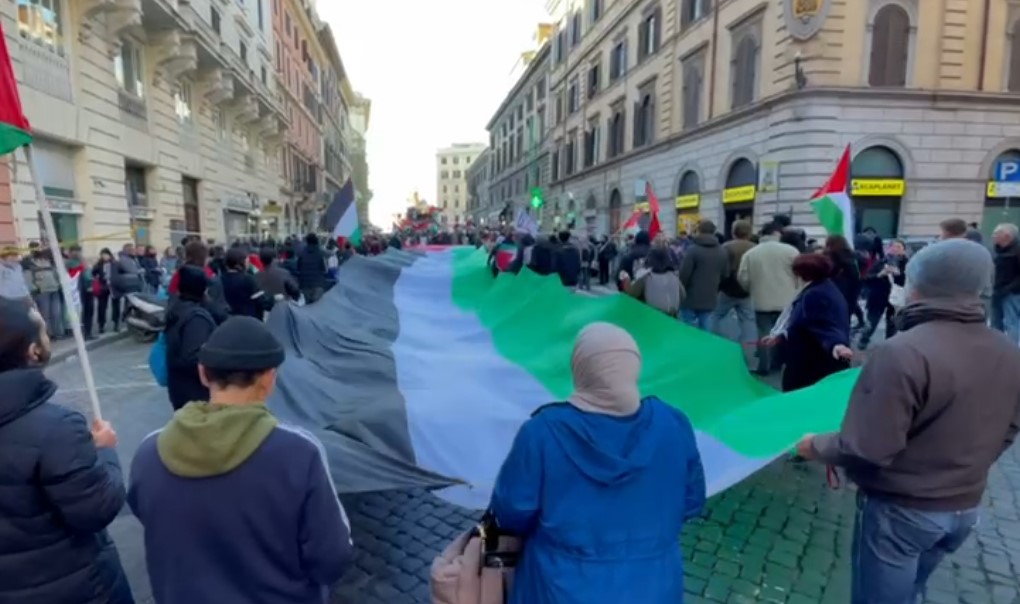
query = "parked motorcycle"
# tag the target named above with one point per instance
(145, 316)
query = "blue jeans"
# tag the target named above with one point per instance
(1010, 310)
(744, 309)
(702, 319)
(896, 549)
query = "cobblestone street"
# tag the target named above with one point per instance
(782, 536)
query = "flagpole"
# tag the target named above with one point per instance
(65, 281)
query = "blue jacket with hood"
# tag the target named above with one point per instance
(58, 493)
(600, 501)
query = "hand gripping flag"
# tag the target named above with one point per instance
(832, 204)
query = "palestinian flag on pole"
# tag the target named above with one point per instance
(417, 370)
(342, 216)
(15, 130)
(832, 204)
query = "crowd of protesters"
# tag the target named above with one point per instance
(238, 507)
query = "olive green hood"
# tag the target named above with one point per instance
(204, 440)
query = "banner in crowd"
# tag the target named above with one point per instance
(417, 371)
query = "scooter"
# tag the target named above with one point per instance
(145, 316)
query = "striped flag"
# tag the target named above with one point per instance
(832, 204)
(342, 216)
(417, 370)
(15, 130)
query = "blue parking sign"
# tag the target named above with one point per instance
(1007, 171)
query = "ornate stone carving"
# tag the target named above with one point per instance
(219, 86)
(247, 108)
(804, 18)
(176, 55)
(121, 16)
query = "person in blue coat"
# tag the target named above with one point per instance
(816, 336)
(60, 482)
(599, 487)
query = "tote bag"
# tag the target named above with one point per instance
(897, 294)
(477, 568)
(157, 361)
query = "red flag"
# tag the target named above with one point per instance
(654, 228)
(653, 201)
(15, 130)
(840, 178)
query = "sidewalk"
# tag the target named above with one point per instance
(65, 348)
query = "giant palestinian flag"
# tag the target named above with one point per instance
(416, 370)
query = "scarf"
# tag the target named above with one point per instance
(959, 310)
(606, 364)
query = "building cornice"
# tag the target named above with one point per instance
(541, 59)
(942, 100)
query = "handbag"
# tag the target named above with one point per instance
(897, 294)
(157, 361)
(477, 567)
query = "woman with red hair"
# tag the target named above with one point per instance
(816, 334)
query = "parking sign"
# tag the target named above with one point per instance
(1007, 171)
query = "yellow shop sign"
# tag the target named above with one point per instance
(877, 187)
(642, 207)
(686, 202)
(739, 194)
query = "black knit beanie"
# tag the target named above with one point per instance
(241, 344)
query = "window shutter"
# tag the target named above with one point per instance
(642, 39)
(650, 121)
(751, 69)
(657, 29)
(1014, 63)
(890, 45)
(609, 138)
(636, 118)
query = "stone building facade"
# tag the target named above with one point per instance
(740, 108)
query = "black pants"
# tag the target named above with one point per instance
(603, 271)
(312, 294)
(88, 308)
(874, 316)
(103, 307)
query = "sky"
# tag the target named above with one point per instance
(435, 72)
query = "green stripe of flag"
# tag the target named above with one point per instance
(533, 321)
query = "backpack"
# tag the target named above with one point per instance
(663, 291)
(157, 361)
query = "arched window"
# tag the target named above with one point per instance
(890, 47)
(689, 184)
(880, 212)
(615, 204)
(590, 204)
(744, 71)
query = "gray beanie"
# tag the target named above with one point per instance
(954, 268)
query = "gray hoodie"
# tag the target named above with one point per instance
(12, 281)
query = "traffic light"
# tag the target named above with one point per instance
(536, 198)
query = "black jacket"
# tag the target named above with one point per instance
(311, 268)
(242, 294)
(57, 496)
(188, 326)
(1007, 270)
(277, 281)
(542, 261)
(568, 264)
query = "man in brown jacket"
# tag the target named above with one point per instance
(932, 410)
(732, 297)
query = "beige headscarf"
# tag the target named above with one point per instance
(606, 364)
